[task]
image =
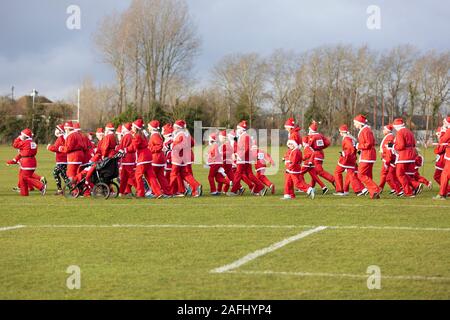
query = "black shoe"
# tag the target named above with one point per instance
(324, 191)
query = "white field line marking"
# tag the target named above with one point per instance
(235, 226)
(236, 264)
(340, 275)
(11, 228)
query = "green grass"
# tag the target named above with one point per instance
(174, 262)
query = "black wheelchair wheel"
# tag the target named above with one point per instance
(71, 191)
(101, 190)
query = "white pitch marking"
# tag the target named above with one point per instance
(340, 275)
(261, 252)
(11, 228)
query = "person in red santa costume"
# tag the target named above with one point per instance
(444, 141)
(388, 169)
(308, 165)
(156, 145)
(26, 159)
(181, 159)
(127, 170)
(293, 130)
(226, 151)
(59, 172)
(263, 160)
(368, 156)
(439, 151)
(167, 133)
(293, 175)
(74, 147)
(319, 143)
(406, 154)
(215, 164)
(419, 163)
(347, 163)
(245, 156)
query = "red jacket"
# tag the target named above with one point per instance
(244, 151)
(348, 154)
(308, 157)
(227, 152)
(139, 146)
(293, 161)
(74, 148)
(168, 152)
(61, 158)
(108, 147)
(262, 159)
(89, 148)
(214, 156)
(445, 141)
(405, 146)
(156, 145)
(129, 159)
(27, 153)
(319, 143)
(366, 143)
(182, 149)
(387, 153)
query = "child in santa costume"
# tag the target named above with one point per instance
(156, 145)
(181, 159)
(319, 143)
(439, 151)
(226, 149)
(263, 160)
(215, 164)
(420, 162)
(445, 176)
(144, 167)
(388, 169)
(293, 130)
(167, 133)
(26, 159)
(127, 169)
(368, 156)
(245, 156)
(74, 148)
(347, 163)
(59, 172)
(308, 165)
(293, 174)
(406, 154)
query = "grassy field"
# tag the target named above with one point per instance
(166, 249)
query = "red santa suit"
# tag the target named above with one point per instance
(226, 151)
(60, 157)
(293, 175)
(308, 163)
(388, 173)
(215, 163)
(347, 163)
(156, 145)
(406, 154)
(445, 177)
(319, 143)
(439, 151)
(74, 148)
(245, 156)
(27, 161)
(262, 159)
(128, 163)
(366, 144)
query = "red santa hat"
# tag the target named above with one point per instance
(60, 127)
(119, 129)
(447, 121)
(126, 127)
(389, 127)
(109, 127)
(138, 124)
(292, 142)
(76, 126)
(290, 123)
(167, 129)
(180, 124)
(212, 137)
(360, 119)
(27, 133)
(399, 123)
(68, 125)
(100, 130)
(343, 128)
(223, 133)
(314, 126)
(154, 125)
(305, 140)
(242, 125)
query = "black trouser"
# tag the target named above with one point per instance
(59, 174)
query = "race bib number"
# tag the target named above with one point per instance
(33, 146)
(260, 156)
(320, 143)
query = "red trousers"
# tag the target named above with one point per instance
(127, 177)
(180, 174)
(406, 180)
(351, 179)
(445, 178)
(321, 172)
(229, 171)
(146, 171)
(244, 172)
(35, 177)
(314, 177)
(72, 170)
(294, 180)
(26, 182)
(388, 175)
(163, 182)
(260, 174)
(214, 176)
(365, 174)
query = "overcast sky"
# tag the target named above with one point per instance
(38, 51)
